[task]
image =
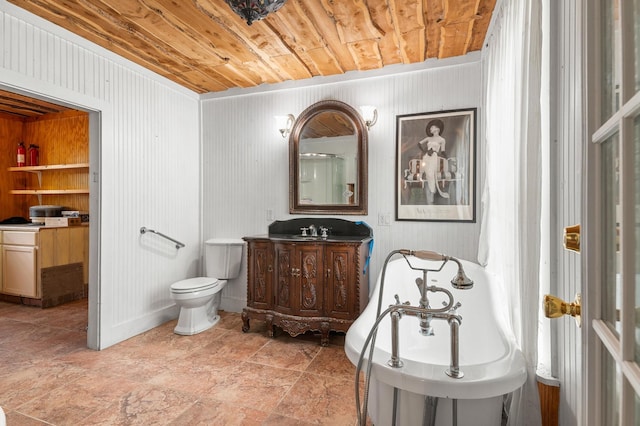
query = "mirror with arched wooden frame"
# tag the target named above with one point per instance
(328, 161)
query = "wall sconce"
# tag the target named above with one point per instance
(285, 123)
(369, 115)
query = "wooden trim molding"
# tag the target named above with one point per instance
(549, 392)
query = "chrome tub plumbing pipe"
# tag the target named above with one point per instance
(395, 361)
(454, 367)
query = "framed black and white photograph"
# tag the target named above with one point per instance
(435, 166)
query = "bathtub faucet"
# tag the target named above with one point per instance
(450, 315)
(427, 315)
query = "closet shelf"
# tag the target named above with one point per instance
(49, 167)
(48, 191)
(38, 170)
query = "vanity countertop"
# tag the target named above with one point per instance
(297, 238)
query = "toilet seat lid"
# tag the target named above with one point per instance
(194, 284)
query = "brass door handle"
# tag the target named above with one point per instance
(554, 307)
(572, 238)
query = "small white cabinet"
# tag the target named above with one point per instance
(19, 263)
(44, 266)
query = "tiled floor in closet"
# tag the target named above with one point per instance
(219, 377)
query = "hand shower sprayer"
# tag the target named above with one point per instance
(460, 281)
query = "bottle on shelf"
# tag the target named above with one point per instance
(34, 155)
(22, 155)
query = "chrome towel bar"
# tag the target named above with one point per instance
(178, 244)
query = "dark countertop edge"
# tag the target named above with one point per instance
(300, 239)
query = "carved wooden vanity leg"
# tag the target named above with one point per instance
(270, 327)
(245, 321)
(324, 333)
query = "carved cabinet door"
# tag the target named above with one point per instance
(285, 278)
(310, 279)
(299, 282)
(260, 268)
(341, 281)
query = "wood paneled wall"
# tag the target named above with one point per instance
(63, 138)
(11, 129)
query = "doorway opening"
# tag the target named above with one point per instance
(50, 204)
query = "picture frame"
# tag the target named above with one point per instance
(436, 166)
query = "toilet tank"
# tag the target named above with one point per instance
(223, 258)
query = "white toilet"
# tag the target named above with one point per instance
(199, 298)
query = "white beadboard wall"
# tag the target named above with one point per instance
(146, 167)
(566, 158)
(246, 161)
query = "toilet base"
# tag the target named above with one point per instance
(195, 320)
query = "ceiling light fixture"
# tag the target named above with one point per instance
(369, 115)
(285, 124)
(254, 10)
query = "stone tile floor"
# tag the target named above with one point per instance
(219, 377)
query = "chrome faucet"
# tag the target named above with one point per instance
(451, 316)
(324, 232)
(313, 230)
(427, 315)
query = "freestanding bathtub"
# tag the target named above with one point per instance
(492, 365)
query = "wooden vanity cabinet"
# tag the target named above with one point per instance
(299, 286)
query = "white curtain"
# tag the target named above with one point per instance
(511, 199)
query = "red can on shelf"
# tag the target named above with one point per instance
(34, 155)
(22, 155)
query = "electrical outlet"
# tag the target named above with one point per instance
(269, 215)
(384, 219)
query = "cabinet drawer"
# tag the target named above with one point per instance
(19, 238)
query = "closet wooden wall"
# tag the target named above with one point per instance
(63, 138)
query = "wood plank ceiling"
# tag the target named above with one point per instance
(13, 105)
(204, 46)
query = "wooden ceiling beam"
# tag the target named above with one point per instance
(391, 51)
(325, 26)
(17, 105)
(481, 24)
(455, 36)
(434, 11)
(409, 24)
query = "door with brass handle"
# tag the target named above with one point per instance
(554, 307)
(572, 238)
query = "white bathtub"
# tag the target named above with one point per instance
(492, 364)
